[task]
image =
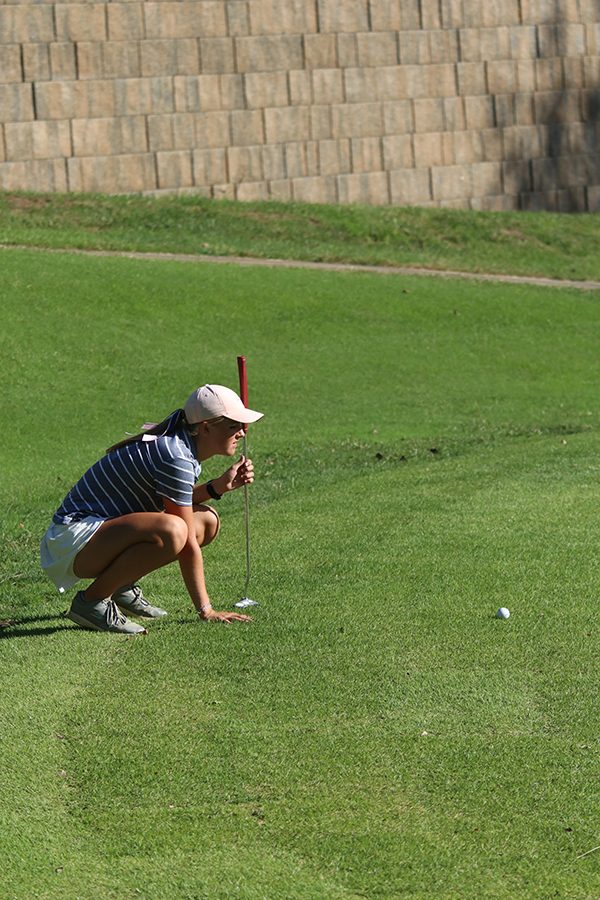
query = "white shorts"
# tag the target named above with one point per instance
(59, 547)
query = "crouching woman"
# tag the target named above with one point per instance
(139, 508)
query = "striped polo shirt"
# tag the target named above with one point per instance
(134, 478)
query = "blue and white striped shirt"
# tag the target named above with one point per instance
(134, 478)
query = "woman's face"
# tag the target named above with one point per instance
(219, 438)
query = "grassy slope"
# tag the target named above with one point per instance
(554, 245)
(376, 731)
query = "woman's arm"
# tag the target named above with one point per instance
(236, 476)
(192, 569)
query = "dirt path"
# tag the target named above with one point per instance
(324, 267)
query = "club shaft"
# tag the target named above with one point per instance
(241, 361)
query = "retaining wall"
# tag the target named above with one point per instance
(489, 104)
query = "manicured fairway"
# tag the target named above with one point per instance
(430, 452)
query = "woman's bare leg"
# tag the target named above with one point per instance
(125, 549)
(207, 523)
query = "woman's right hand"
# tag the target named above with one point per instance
(225, 617)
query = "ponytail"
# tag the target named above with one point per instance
(168, 426)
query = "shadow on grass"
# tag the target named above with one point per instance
(13, 628)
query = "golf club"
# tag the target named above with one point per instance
(245, 600)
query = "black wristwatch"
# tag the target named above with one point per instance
(211, 491)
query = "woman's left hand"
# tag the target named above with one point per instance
(236, 476)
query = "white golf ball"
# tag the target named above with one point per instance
(503, 613)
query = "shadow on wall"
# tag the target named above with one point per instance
(555, 162)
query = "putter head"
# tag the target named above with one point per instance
(245, 602)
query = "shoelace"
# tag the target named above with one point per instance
(114, 616)
(137, 595)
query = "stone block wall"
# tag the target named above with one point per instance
(462, 103)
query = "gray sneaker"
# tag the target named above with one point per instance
(131, 599)
(101, 616)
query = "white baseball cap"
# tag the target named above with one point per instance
(213, 400)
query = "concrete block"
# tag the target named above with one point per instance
(248, 192)
(16, 102)
(112, 174)
(2, 150)
(280, 190)
(479, 112)
(561, 106)
(429, 115)
(36, 62)
(320, 51)
(516, 176)
(37, 140)
(350, 16)
(103, 137)
(432, 150)
(360, 85)
(451, 182)
(451, 14)
(125, 21)
(301, 159)
(209, 166)
(26, 24)
(172, 131)
(334, 157)
(414, 48)
(174, 169)
(198, 93)
(524, 114)
(286, 124)
(264, 89)
(377, 49)
(430, 14)
(391, 82)
(398, 117)
(431, 81)
(561, 40)
(273, 162)
(386, 16)
(63, 63)
(501, 203)
(588, 10)
(486, 179)
(10, 63)
(169, 57)
(485, 44)
(526, 75)
(504, 110)
(211, 129)
(269, 53)
(185, 19)
(368, 188)
(536, 11)
(593, 198)
(502, 77)
(81, 21)
(247, 127)
(216, 55)
(472, 79)
(444, 46)
(523, 44)
(398, 151)
(591, 72)
(222, 191)
(231, 88)
(347, 50)
(491, 15)
(523, 142)
(366, 154)
(410, 187)
(320, 122)
(300, 84)
(355, 120)
(539, 201)
(573, 70)
(592, 39)
(238, 17)
(572, 200)
(317, 189)
(282, 17)
(549, 74)
(48, 175)
(467, 147)
(454, 114)
(245, 164)
(139, 96)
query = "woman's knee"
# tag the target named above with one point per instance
(208, 523)
(174, 534)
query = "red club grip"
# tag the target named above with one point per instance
(241, 361)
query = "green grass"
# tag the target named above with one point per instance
(376, 732)
(546, 244)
